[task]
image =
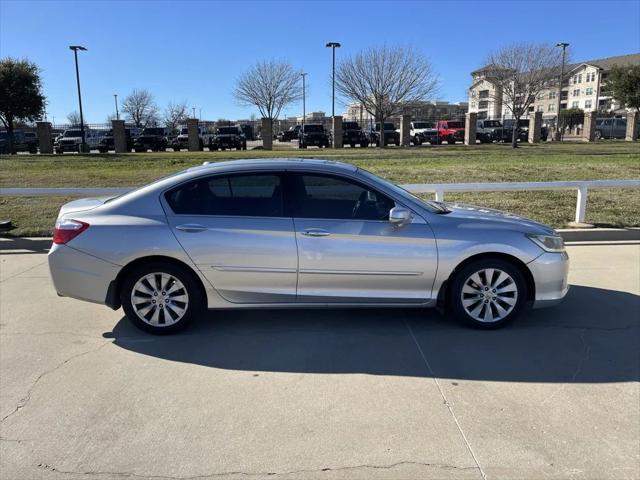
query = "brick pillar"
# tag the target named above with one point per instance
(470, 126)
(535, 127)
(405, 131)
(267, 133)
(194, 138)
(119, 136)
(336, 129)
(632, 127)
(44, 137)
(589, 127)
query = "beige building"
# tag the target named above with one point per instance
(438, 110)
(584, 87)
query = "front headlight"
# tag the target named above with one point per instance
(549, 243)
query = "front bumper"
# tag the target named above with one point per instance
(550, 274)
(78, 275)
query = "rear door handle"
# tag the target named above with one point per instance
(191, 227)
(315, 232)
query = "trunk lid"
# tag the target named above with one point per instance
(81, 205)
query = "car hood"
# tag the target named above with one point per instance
(82, 205)
(464, 211)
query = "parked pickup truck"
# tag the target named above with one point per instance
(423, 132)
(23, 142)
(182, 140)
(107, 142)
(391, 135)
(450, 131)
(291, 134)
(522, 134)
(353, 135)
(71, 140)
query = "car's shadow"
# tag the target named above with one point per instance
(593, 336)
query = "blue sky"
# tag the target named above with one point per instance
(195, 50)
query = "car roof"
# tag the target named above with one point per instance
(276, 163)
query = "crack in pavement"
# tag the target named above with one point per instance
(25, 271)
(444, 398)
(25, 400)
(255, 474)
(586, 351)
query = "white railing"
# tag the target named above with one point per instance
(438, 189)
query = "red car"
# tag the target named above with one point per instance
(451, 131)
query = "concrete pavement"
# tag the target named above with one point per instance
(325, 394)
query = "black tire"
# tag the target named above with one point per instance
(597, 135)
(463, 277)
(364, 144)
(417, 141)
(195, 304)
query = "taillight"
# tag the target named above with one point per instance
(67, 230)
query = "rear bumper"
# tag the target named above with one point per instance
(550, 272)
(81, 276)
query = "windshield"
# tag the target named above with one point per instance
(455, 125)
(184, 131)
(72, 133)
(423, 125)
(228, 131)
(431, 206)
(153, 131)
(350, 126)
(313, 128)
(387, 126)
(492, 124)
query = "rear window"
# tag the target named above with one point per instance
(423, 125)
(455, 125)
(234, 195)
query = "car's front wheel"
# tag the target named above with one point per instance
(488, 293)
(161, 298)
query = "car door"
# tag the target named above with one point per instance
(233, 229)
(348, 251)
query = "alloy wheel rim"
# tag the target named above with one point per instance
(159, 299)
(489, 295)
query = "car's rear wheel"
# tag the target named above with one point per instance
(488, 293)
(161, 298)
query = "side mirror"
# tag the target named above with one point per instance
(399, 216)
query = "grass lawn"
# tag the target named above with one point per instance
(441, 164)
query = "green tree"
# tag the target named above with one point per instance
(21, 97)
(624, 85)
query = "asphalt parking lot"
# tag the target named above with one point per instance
(325, 394)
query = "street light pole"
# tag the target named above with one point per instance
(75, 49)
(558, 132)
(333, 46)
(194, 112)
(115, 95)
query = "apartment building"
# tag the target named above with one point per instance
(438, 110)
(584, 87)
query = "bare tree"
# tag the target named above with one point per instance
(175, 114)
(74, 119)
(519, 73)
(385, 80)
(140, 108)
(269, 85)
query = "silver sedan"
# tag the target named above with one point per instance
(299, 233)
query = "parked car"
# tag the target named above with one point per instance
(151, 138)
(22, 142)
(182, 139)
(353, 135)
(107, 142)
(450, 131)
(248, 131)
(230, 235)
(611, 128)
(71, 140)
(313, 135)
(228, 137)
(291, 134)
(488, 131)
(391, 135)
(522, 134)
(423, 132)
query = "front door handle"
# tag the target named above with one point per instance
(191, 227)
(315, 232)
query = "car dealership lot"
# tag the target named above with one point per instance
(321, 393)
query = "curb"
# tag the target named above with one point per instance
(599, 234)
